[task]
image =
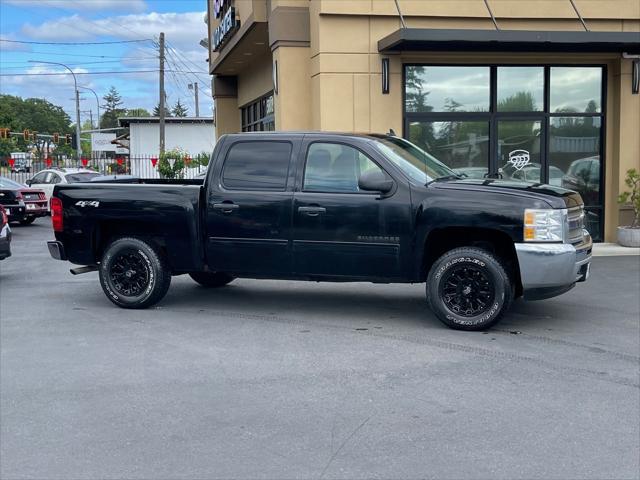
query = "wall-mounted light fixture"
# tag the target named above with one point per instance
(635, 76)
(385, 75)
(275, 77)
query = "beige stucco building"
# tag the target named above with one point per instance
(534, 93)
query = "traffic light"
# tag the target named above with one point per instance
(4, 133)
(67, 139)
(26, 134)
(56, 137)
(74, 142)
(34, 136)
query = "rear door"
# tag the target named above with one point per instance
(249, 201)
(339, 230)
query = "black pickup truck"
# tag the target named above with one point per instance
(329, 207)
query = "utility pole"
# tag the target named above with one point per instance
(91, 117)
(162, 98)
(194, 87)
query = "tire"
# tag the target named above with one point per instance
(27, 220)
(133, 274)
(468, 289)
(212, 279)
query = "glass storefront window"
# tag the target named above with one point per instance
(447, 89)
(461, 145)
(258, 116)
(576, 89)
(520, 89)
(574, 148)
(519, 150)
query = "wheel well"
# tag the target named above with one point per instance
(107, 232)
(440, 241)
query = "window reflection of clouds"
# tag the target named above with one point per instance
(513, 80)
(468, 86)
(572, 88)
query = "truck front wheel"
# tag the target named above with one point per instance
(133, 274)
(468, 289)
(211, 279)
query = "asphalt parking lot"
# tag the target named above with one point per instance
(275, 379)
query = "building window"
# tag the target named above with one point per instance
(258, 115)
(534, 123)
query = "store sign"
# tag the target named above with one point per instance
(101, 142)
(228, 23)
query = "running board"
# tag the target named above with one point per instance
(79, 270)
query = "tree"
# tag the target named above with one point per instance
(156, 111)
(36, 115)
(137, 112)
(112, 109)
(179, 110)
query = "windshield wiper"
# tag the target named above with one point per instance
(445, 178)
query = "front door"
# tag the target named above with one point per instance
(249, 207)
(339, 230)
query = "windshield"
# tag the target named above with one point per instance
(412, 160)
(80, 177)
(6, 183)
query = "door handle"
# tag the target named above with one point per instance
(312, 211)
(226, 207)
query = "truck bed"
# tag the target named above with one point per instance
(167, 211)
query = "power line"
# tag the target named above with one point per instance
(90, 56)
(76, 43)
(23, 65)
(86, 73)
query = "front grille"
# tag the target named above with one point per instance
(575, 219)
(31, 196)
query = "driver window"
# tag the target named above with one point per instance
(332, 167)
(54, 178)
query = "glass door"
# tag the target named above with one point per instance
(519, 155)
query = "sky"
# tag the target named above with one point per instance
(52, 22)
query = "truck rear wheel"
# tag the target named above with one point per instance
(468, 289)
(133, 274)
(212, 279)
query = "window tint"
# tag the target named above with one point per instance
(257, 166)
(332, 167)
(54, 178)
(39, 178)
(80, 177)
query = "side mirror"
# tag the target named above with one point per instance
(28, 182)
(375, 181)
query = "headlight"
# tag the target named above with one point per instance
(544, 225)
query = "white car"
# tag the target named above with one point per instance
(47, 179)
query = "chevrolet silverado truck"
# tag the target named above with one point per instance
(329, 207)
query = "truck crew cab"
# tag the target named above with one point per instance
(329, 207)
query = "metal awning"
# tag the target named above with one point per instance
(462, 40)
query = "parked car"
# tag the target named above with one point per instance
(583, 176)
(47, 179)
(11, 199)
(35, 201)
(531, 173)
(5, 235)
(329, 207)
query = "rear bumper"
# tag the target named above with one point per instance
(5, 242)
(35, 209)
(56, 250)
(15, 212)
(548, 270)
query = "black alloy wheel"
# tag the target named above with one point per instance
(133, 273)
(468, 288)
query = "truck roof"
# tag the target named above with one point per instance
(366, 135)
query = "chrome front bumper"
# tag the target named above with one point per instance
(550, 269)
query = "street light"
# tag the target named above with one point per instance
(97, 101)
(75, 83)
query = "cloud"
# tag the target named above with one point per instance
(83, 5)
(12, 47)
(181, 29)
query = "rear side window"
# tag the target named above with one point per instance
(257, 166)
(80, 177)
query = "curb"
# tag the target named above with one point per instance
(613, 250)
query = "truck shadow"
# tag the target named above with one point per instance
(399, 305)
